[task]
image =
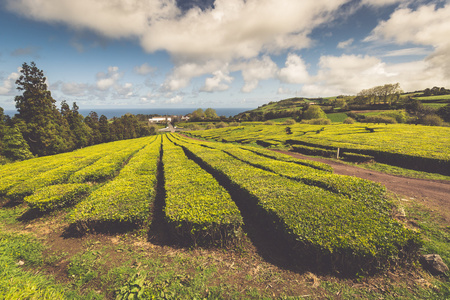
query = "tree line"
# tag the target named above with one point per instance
(40, 128)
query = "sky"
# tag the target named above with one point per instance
(221, 53)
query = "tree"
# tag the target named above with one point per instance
(14, 146)
(198, 114)
(79, 130)
(91, 120)
(385, 93)
(104, 129)
(211, 113)
(314, 112)
(40, 120)
(444, 113)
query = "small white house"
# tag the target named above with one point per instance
(160, 119)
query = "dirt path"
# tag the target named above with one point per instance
(432, 193)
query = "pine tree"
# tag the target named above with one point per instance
(43, 127)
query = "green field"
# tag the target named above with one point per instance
(438, 98)
(411, 146)
(110, 200)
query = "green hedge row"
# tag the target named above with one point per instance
(198, 209)
(288, 158)
(17, 173)
(54, 176)
(373, 194)
(106, 167)
(325, 227)
(56, 196)
(128, 197)
(25, 172)
(422, 148)
(356, 157)
(308, 150)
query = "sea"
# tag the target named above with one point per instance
(118, 112)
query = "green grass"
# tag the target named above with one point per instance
(434, 98)
(18, 252)
(337, 117)
(435, 105)
(102, 270)
(393, 170)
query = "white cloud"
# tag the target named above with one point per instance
(256, 70)
(427, 25)
(74, 89)
(295, 70)
(9, 82)
(229, 30)
(183, 73)
(175, 100)
(125, 90)
(218, 82)
(109, 79)
(144, 69)
(408, 52)
(378, 3)
(114, 19)
(285, 91)
(345, 44)
(348, 74)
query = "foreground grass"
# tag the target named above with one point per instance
(127, 265)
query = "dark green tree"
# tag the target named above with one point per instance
(14, 146)
(104, 129)
(91, 120)
(80, 132)
(43, 128)
(444, 113)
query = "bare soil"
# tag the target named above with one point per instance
(434, 194)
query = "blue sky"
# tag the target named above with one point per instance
(222, 53)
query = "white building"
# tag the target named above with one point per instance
(160, 120)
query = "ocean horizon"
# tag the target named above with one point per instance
(118, 112)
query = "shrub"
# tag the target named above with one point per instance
(127, 198)
(210, 126)
(269, 123)
(221, 125)
(198, 209)
(289, 122)
(444, 113)
(349, 121)
(399, 115)
(432, 120)
(314, 112)
(324, 227)
(321, 121)
(195, 127)
(356, 157)
(49, 198)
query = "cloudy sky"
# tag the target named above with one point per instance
(221, 53)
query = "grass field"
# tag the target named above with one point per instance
(283, 227)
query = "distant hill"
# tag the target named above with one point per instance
(293, 107)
